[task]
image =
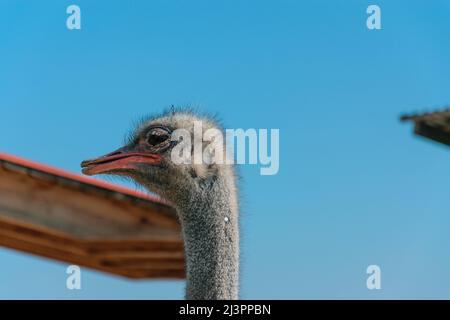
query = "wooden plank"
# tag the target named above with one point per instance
(168, 271)
(109, 262)
(76, 212)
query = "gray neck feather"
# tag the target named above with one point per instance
(211, 237)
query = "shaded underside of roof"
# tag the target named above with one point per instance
(79, 220)
(432, 125)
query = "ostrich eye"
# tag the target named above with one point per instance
(156, 136)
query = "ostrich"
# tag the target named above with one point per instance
(204, 196)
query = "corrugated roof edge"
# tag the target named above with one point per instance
(83, 180)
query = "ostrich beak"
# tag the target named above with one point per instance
(120, 159)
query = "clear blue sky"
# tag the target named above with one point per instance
(355, 188)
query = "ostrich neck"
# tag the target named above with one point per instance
(211, 239)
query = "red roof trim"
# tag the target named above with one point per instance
(76, 177)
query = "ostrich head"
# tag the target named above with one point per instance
(203, 192)
(148, 158)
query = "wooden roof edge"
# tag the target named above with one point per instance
(83, 182)
(424, 115)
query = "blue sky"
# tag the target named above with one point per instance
(355, 188)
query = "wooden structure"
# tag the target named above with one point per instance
(433, 125)
(84, 221)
